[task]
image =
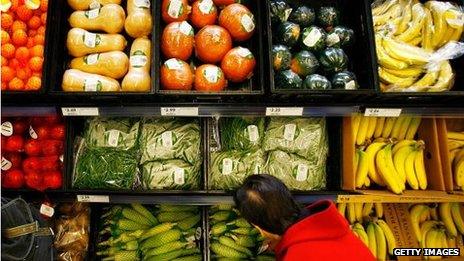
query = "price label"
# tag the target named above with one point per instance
(47, 210)
(93, 198)
(284, 111)
(382, 112)
(74, 111)
(179, 111)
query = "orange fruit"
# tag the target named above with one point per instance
(33, 4)
(4, 61)
(239, 21)
(36, 63)
(7, 74)
(7, 20)
(22, 54)
(24, 13)
(34, 22)
(209, 77)
(39, 39)
(34, 83)
(14, 5)
(224, 2)
(14, 63)
(8, 50)
(212, 42)
(41, 30)
(38, 74)
(43, 5)
(4, 86)
(24, 73)
(19, 38)
(30, 42)
(18, 25)
(177, 41)
(176, 75)
(31, 33)
(43, 18)
(203, 13)
(238, 64)
(16, 84)
(37, 50)
(5, 37)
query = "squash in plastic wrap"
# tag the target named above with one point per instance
(138, 77)
(112, 64)
(81, 42)
(79, 81)
(110, 18)
(139, 20)
(90, 4)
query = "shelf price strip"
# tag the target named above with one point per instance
(284, 111)
(80, 111)
(382, 112)
(179, 111)
(93, 198)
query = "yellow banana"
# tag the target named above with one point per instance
(403, 143)
(459, 156)
(442, 238)
(455, 144)
(362, 234)
(395, 80)
(372, 238)
(383, 8)
(458, 169)
(454, 135)
(386, 60)
(405, 73)
(391, 242)
(381, 242)
(341, 207)
(387, 171)
(393, 12)
(371, 152)
(410, 54)
(419, 168)
(355, 163)
(409, 171)
(431, 239)
(457, 34)
(387, 129)
(371, 127)
(413, 127)
(434, 213)
(424, 216)
(399, 160)
(355, 120)
(414, 214)
(452, 154)
(405, 19)
(367, 182)
(362, 169)
(416, 41)
(424, 228)
(378, 210)
(358, 208)
(362, 131)
(427, 31)
(397, 127)
(418, 19)
(451, 242)
(367, 209)
(427, 80)
(439, 22)
(444, 210)
(351, 213)
(379, 127)
(404, 128)
(445, 77)
(457, 217)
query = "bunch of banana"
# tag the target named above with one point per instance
(437, 225)
(377, 236)
(359, 212)
(406, 34)
(456, 156)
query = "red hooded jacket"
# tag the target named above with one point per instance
(323, 235)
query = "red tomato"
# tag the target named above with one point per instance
(19, 126)
(51, 147)
(13, 179)
(52, 180)
(50, 163)
(15, 159)
(58, 132)
(42, 132)
(32, 147)
(14, 143)
(32, 164)
(52, 119)
(34, 180)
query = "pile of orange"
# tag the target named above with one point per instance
(23, 37)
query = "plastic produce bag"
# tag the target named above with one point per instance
(170, 174)
(306, 137)
(241, 133)
(170, 138)
(118, 133)
(296, 172)
(229, 168)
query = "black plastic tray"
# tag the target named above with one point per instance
(354, 14)
(61, 58)
(255, 44)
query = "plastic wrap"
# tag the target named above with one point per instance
(117, 133)
(72, 231)
(170, 138)
(229, 168)
(170, 174)
(241, 133)
(296, 172)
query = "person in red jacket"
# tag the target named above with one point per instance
(317, 232)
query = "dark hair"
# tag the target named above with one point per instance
(266, 202)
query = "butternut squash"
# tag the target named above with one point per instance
(138, 77)
(110, 18)
(112, 64)
(81, 42)
(79, 81)
(139, 20)
(80, 5)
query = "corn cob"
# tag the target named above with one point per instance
(243, 231)
(177, 208)
(131, 245)
(219, 229)
(165, 257)
(240, 222)
(113, 230)
(124, 237)
(189, 222)
(108, 252)
(166, 248)
(145, 212)
(244, 241)
(221, 207)
(126, 224)
(227, 241)
(135, 216)
(189, 258)
(123, 256)
(223, 215)
(173, 216)
(225, 251)
(161, 239)
(156, 230)
(111, 212)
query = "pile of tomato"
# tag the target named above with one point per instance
(32, 152)
(215, 30)
(23, 37)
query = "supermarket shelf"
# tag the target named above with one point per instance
(381, 196)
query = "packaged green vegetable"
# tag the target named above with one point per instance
(170, 138)
(170, 174)
(296, 172)
(118, 133)
(241, 133)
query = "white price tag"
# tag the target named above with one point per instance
(6, 164)
(175, 8)
(179, 111)
(248, 23)
(142, 3)
(166, 139)
(113, 138)
(81, 111)
(302, 172)
(179, 176)
(7, 128)
(92, 14)
(289, 131)
(253, 133)
(284, 111)
(382, 112)
(312, 38)
(32, 133)
(93, 198)
(90, 39)
(227, 166)
(46, 210)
